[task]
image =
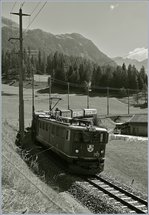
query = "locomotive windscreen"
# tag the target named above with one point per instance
(95, 137)
(87, 137)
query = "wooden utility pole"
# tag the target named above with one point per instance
(31, 53)
(21, 101)
(87, 97)
(68, 96)
(50, 103)
(107, 100)
(33, 103)
(128, 102)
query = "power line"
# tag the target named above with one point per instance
(31, 14)
(35, 7)
(21, 5)
(93, 87)
(35, 16)
(13, 6)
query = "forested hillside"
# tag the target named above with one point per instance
(69, 44)
(68, 57)
(75, 70)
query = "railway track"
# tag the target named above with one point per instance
(120, 196)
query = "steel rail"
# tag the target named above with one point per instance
(122, 190)
(135, 208)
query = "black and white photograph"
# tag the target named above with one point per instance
(74, 106)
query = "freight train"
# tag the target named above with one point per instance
(73, 135)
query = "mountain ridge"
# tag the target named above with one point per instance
(73, 44)
(127, 61)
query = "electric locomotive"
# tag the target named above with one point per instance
(73, 135)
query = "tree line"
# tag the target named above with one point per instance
(74, 69)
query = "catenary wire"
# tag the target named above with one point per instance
(35, 8)
(35, 17)
(13, 6)
(21, 5)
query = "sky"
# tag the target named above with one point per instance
(117, 28)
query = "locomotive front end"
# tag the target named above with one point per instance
(89, 146)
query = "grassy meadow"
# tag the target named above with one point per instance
(125, 160)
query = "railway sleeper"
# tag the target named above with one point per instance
(117, 202)
(100, 183)
(121, 194)
(111, 198)
(145, 211)
(96, 181)
(126, 198)
(124, 206)
(115, 191)
(133, 202)
(132, 212)
(109, 188)
(140, 206)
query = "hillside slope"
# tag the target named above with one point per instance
(70, 44)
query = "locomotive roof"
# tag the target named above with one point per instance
(85, 127)
(72, 125)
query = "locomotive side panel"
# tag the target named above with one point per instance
(60, 138)
(57, 136)
(42, 132)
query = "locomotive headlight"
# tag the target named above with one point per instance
(77, 151)
(102, 152)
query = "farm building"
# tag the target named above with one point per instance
(137, 125)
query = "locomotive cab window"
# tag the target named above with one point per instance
(77, 137)
(67, 135)
(86, 137)
(101, 138)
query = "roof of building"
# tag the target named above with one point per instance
(139, 118)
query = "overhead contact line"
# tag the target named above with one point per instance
(13, 6)
(35, 16)
(35, 8)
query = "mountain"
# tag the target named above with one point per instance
(127, 61)
(70, 44)
(9, 23)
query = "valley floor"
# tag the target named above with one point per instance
(126, 161)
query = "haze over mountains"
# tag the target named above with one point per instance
(127, 61)
(70, 44)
